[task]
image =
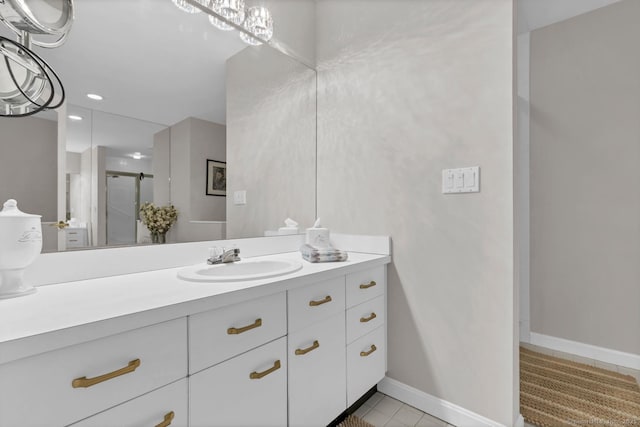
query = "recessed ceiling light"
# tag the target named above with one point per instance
(94, 96)
(136, 155)
(74, 117)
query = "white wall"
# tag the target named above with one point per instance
(161, 160)
(30, 141)
(522, 168)
(585, 209)
(192, 141)
(271, 134)
(407, 89)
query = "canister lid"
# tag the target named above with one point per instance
(10, 210)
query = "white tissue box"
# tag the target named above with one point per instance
(318, 238)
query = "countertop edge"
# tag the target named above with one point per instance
(38, 343)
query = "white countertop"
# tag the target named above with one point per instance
(69, 313)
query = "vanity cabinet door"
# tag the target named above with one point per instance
(248, 390)
(366, 364)
(317, 373)
(166, 406)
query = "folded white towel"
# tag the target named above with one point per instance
(313, 254)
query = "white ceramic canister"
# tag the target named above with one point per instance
(20, 245)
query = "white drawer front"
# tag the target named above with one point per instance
(38, 390)
(317, 378)
(365, 285)
(364, 318)
(313, 303)
(365, 366)
(168, 404)
(226, 395)
(221, 334)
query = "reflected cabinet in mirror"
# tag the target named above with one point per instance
(190, 116)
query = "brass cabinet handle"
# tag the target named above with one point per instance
(85, 382)
(368, 319)
(257, 375)
(366, 353)
(60, 225)
(368, 285)
(322, 301)
(302, 351)
(236, 331)
(167, 420)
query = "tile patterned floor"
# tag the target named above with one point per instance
(384, 411)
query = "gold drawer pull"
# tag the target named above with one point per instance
(368, 285)
(167, 420)
(236, 331)
(366, 353)
(302, 351)
(88, 382)
(368, 319)
(322, 301)
(258, 375)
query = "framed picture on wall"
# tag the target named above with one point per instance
(216, 178)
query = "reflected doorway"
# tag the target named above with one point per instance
(125, 193)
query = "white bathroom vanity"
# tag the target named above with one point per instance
(145, 347)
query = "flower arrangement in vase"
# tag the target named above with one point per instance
(158, 220)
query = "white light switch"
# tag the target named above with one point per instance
(240, 197)
(462, 180)
(447, 180)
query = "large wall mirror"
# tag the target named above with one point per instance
(190, 116)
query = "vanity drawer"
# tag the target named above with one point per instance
(366, 364)
(168, 404)
(218, 335)
(364, 318)
(248, 390)
(365, 285)
(39, 390)
(313, 303)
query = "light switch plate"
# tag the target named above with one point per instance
(240, 197)
(461, 180)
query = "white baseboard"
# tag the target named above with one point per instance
(447, 411)
(519, 421)
(628, 360)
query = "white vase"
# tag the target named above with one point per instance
(20, 245)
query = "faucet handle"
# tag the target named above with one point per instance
(215, 251)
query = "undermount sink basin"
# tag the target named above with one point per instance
(240, 270)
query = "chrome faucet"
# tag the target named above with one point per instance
(221, 255)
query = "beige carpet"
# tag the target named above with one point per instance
(556, 392)
(353, 421)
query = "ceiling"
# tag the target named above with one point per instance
(148, 59)
(534, 14)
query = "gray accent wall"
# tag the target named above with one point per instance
(585, 206)
(406, 89)
(30, 141)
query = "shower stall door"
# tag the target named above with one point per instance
(125, 192)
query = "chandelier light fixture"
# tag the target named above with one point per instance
(258, 22)
(232, 10)
(187, 7)
(27, 83)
